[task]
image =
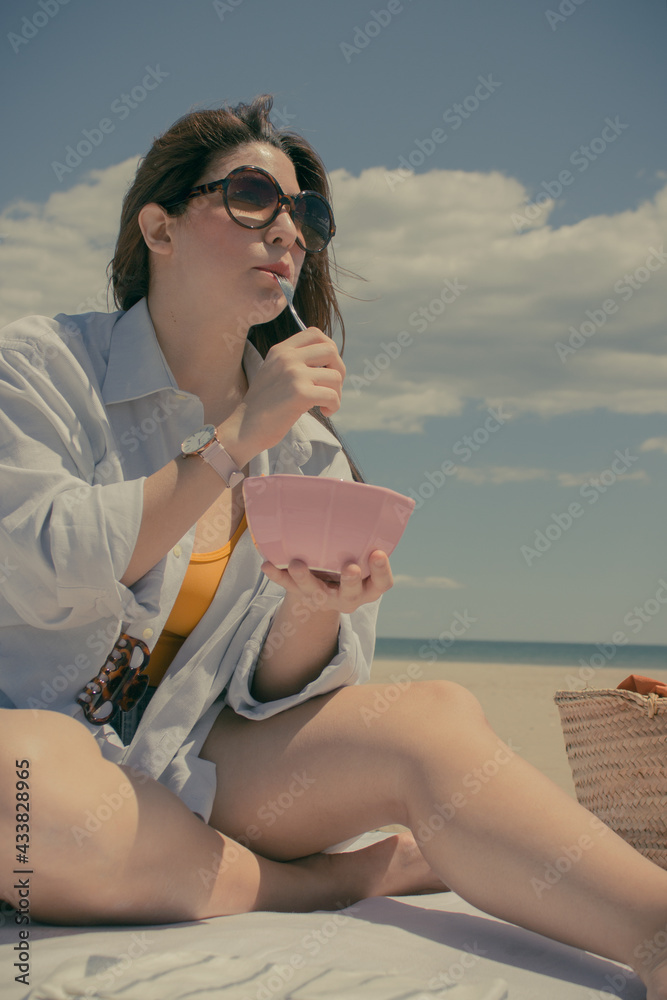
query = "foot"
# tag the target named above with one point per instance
(396, 867)
(654, 977)
(392, 867)
(656, 982)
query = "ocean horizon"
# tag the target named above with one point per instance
(640, 659)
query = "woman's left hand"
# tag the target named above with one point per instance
(345, 596)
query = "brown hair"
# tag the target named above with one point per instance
(175, 163)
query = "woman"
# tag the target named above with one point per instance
(259, 748)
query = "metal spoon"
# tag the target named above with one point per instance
(287, 288)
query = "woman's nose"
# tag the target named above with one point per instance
(282, 228)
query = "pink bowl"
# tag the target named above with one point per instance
(325, 522)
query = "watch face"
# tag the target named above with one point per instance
(198, 440)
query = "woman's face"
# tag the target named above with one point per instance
(220, 265)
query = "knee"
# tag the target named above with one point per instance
(428, 701)
(426, 714)
(444, 699)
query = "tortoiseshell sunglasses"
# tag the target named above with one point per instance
(253, 198)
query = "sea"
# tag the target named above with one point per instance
(637, 659)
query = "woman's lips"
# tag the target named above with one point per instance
(282, 270)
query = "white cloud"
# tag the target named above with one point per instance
(53, 256)
(479, 307)
(579, 478)
(511, 298)
(430, 582)
(655, 444)
(498, 475)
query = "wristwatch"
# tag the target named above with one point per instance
(205, 443)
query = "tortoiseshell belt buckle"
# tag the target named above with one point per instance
(120, 683)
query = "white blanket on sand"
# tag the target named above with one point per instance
(431, 947)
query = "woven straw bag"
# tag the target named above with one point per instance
(616, 744)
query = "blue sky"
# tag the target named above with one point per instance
(511, 329)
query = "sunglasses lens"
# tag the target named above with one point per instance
(252, 198)
(312, 219)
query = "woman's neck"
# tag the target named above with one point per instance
(204, 357)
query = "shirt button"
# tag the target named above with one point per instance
(147, 633)
(177, 550)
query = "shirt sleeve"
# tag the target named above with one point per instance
(68, 521)
(350, 665)
(352, 661)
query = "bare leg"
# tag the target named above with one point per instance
(109, 846)
(494, 828)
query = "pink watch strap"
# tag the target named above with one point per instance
(224, 465)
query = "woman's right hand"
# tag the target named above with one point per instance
(303, 371)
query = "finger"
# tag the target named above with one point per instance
(328, 378)
(311, 337)
(328, 402)
(322, 355)
(279, 576)
(313, 588)
(381, 576)
(301, 575)
(327, 386)
(351, 584)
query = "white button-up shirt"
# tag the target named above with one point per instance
(88, 410)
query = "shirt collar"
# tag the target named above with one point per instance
(137, 367)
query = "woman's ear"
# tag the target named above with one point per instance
(155, 224)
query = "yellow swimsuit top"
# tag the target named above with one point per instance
(200, 583)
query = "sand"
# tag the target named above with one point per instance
(518, 701)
